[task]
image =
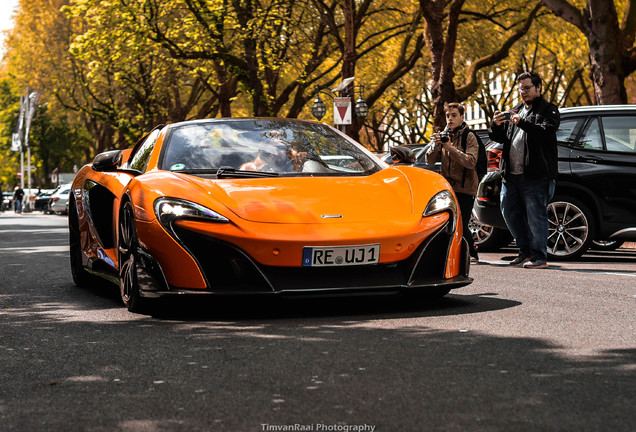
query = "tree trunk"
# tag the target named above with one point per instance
(442, 53)
(610, 47)
(349, 59)
(604, 38)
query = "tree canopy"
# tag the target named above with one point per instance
(110, 70)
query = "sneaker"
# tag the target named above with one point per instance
(535, 264)
(519, 260)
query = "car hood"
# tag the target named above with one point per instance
(383, 196)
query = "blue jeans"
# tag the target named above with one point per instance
(524, 205)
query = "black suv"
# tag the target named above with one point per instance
(594, 203)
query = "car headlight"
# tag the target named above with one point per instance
(442, 201)
(169, 209)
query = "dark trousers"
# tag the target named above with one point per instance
(524, 205)
(466, 208)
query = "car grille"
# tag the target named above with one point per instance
(227, 268)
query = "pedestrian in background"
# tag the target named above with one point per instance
(18, 195)
(529, 166)
(458, 164)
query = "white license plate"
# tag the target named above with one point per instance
(341, 255)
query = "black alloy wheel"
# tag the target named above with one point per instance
(129, 260)
(570, 228)
(81, 277)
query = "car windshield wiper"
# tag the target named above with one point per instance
(229, 172)
(195, 171)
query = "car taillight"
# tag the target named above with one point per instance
(494, 156)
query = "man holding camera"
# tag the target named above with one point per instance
(458, 164)
(529, 166)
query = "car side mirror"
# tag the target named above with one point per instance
(107, 161)
(402, 155)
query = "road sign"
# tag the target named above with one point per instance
(342, 110)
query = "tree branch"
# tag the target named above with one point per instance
(563, 9)
(473, 83)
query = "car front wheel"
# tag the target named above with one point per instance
(571, 228)
(129, 260)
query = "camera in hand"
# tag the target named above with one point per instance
(444, 136)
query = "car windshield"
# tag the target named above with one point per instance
(259, 148)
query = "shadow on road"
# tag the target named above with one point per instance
(238, 365)
(371, 307)
(619, 257)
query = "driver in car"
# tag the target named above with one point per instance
(276, 156)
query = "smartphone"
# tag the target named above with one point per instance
(507, 115)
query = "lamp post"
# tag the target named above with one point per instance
(32, 103)
(346, 92)
(318, 109)
(28, 106)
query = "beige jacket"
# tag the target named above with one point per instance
(454, 162)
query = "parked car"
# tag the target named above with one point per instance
(180, 214)
(487, 237)
(7, 201)
(58, 200)
(42, 199)
(594, 203)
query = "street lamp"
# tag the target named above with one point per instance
(361, 108)
(318, 109)
(345, 92)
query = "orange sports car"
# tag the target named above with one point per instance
(276, 206)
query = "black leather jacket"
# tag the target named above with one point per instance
(540, 125)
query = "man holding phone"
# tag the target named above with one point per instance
(529, 166)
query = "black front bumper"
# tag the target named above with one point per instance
(230, 271)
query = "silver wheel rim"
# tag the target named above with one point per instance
(568, 229)
(480, 232)
(127, 264)
(605, 243)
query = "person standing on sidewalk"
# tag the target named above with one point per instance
(18, 196)
(529, 166)
(458, 165)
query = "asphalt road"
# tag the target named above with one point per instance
(518, 350)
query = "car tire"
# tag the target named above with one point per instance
(570, 228)
(129, 260)
(488, 238)
(81, 277)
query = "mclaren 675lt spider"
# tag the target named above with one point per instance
(261, 206)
